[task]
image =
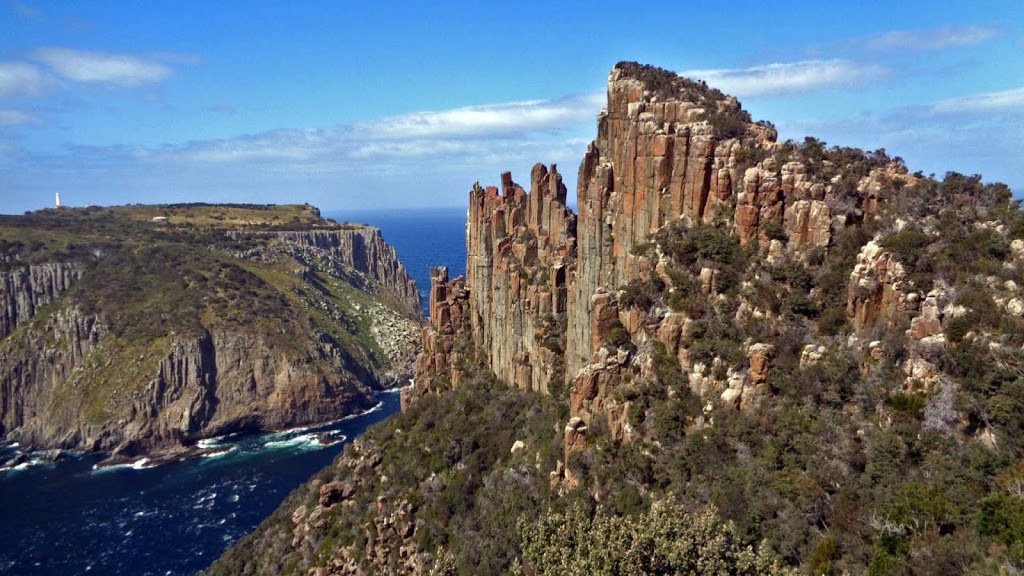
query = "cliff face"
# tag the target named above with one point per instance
(357, 253)
(820, 346)
(519, 251)
(152, 347)
(445, 338)
(180, 390)
(25, 290)
(668, 150)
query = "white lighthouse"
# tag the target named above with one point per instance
(58, 199)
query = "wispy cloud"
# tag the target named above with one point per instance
(287, 145)
(16, 118)
(442, 133)
(222, 109)
(1004, 100)
(368, 163)
(970, 134)
(928, 40)
(487, 120)
(103, 68)
(21, 79)
(790, 78)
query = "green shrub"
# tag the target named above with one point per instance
(642, 294)
(619, 337)
(665, 540)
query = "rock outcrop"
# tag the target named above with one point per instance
(519, 253)
(876, 293)
(445, 337)
(727, 301)
(355, 252)
(667, 150)
(26, 289)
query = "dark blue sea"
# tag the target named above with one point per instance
(67, 518)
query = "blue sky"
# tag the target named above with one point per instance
(350, 106)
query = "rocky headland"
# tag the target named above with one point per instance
(807, 353)
(137, 331)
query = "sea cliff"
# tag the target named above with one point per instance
(183, 330)
(807, 356)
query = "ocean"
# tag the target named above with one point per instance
(67, 518)
(422, 237)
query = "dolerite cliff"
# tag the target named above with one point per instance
(358, 254)
(812, 346)
(540, 278)
(174, 333)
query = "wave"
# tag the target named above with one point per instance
(212, 442)
(307, 441)
(140, 464)
(21, 466)
(376, 408)
(323, 425)
(26, 464)
(218, 453)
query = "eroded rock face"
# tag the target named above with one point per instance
(357, 253)
(654, 160)
(667, 150)
(26, 289)
(876, 290)
(68, 381)
(444, 338)
(521, 250)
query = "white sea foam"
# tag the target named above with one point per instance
(212, 442)
(140, 464)
(291, 431)
(308, 441)
(377, 407)
(220, 453)
(295, 441)
(22, 466)
(370, 411)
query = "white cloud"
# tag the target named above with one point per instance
(410, 148)
(292, 145)
(929, 40)
(15, 118)
(973, 134)
(21, 79)
(367, 164)
(790, 78)
(467, 131)
(103, 68)
(1005, 100)
(487, 120)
